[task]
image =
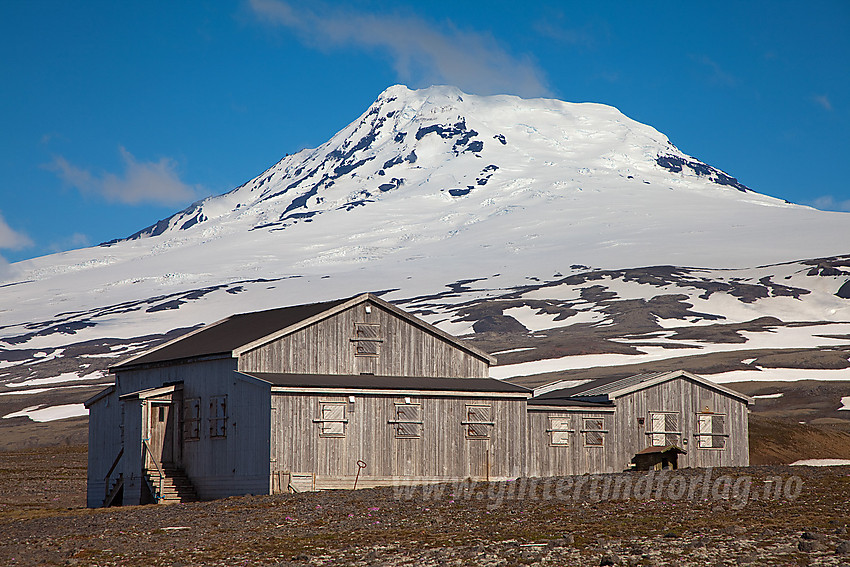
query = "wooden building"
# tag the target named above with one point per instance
(601, 425)
(312, 396)
(356, 392)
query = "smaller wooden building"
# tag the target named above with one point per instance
(601, 425)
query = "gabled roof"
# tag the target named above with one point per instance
(611, 388)
(222, 337)
(240, 333)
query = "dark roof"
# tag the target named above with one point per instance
(231, 333)
(401, 383)
(567, 402)
(601, 389)
(596, 387)
(668, 448)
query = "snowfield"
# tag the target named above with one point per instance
(50, 413)
(436, 198)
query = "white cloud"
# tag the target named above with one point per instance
(823, 101)
(422, 54)
(10, 239)
(141, 182)
(830, 203)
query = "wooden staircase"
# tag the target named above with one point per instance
(172, 487)
(112, 491)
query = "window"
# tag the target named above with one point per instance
(332, 423)
(711, 431)
(218, 416)
(366, 339)
(478, 422)
(664, 429)
(593, 432)
(407, 421)
(559, 431)
(192, 419)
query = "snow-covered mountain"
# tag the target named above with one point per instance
(494, 215)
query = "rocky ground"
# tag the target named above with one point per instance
(767, 515)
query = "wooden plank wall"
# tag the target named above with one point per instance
(441, 453)
(218, 466)
(545, 459)
(104, 445)
(688, 398)
(626, 437)
(326, 348)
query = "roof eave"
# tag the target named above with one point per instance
(123, 367)
(672, 375)
(99, 396)
(129, 361)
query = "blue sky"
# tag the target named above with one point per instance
(114, 114)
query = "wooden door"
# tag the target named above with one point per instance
(162, 432)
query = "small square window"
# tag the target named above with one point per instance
(408, 421)
(478, 422)
(711, 431)
(191, 419)
(593, 432)
(367, 340)
(664, 429)
(559, 431)
(218, 416)
(332, 423)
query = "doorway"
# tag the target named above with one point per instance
(162, 432)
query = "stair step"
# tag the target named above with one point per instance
(173, 486)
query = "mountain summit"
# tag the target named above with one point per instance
(450, 150)
(441, 173)
(426, 189)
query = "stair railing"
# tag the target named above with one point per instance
(111, 470)
(159, 471)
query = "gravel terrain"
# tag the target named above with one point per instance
(689, 517)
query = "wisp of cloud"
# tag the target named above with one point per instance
(154, 182)
(10, 239)
(422, 54)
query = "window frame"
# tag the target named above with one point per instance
(323, 420)
(218, 416)
(668, 433)
(585, 430)
(367, 339)
(713, 436)
(564, 428)
(480, 425)
(191, 423)
(414, 422)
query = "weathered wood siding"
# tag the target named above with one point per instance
(688, 398)
(326, 347)
(104, 445)
(543, 458)
(442, 451)
(626, 436)
(236, 463)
